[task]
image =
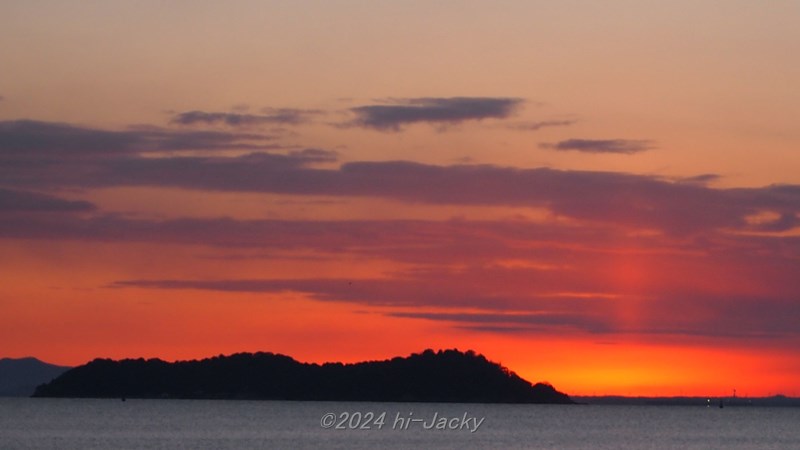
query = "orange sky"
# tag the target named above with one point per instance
(605, 196)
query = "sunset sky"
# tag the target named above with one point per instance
(601, 195)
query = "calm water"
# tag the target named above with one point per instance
(153, 424)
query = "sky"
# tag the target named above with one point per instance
(600, 195)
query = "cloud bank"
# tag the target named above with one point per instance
(39, 155)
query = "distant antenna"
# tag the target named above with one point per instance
(734, 393)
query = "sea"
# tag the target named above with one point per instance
(38, 423)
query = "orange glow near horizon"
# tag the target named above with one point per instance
(185, 325)
(77, 302)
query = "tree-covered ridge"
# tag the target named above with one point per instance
(441, 376)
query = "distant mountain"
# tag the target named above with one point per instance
(19, 377)
(443, 376)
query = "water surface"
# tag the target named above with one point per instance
(222, 424)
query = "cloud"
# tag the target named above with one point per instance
(518, 322)
(39, 155)
(703, 179)
(30, 137)
(24, 201)
(254, 172)
(703, 316)
(718, 284)
(421, 288)
(439, 111)
(535, 126)
(638, 254)
(401, 240)
(679, 294)
(631, 201)
(284, 116)
(622, 146)
(313, 155)
(461, 300)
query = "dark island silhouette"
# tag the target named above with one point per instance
(430, 376)
(20, 376)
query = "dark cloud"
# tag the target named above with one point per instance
(404, 240)
(523, 307)
(23, 201)
(254, 172)
(535, 126)
(631, 201)
(516, 322)
(420, 291)
(707, 316)
(285, 116)
(313, 155)
(623, 146)
(31, 138)
(703, 179)
(439, 111)
(429, 288)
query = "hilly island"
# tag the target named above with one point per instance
(430, 376)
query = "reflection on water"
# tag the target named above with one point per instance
(95, 423)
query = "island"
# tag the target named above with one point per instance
(20, 376)
(430, 376)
